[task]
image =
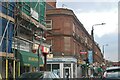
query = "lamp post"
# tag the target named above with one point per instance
(92, 34)
(103, 48)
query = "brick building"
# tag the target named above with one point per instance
(69, 38)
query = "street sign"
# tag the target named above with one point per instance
(49, 56)
(83, 52)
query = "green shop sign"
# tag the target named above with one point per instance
(29, 59)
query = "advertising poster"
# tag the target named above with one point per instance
(90, 56)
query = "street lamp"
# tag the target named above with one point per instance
(103, 47)
(92, 34)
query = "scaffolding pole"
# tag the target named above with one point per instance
(4, 33)
(18, 68)
(14, 69)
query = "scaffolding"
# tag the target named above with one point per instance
(26, 21)
(21, 14)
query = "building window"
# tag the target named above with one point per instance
(67, 65)
(74, 67)
(82, 38)
(49, 41)
(49, 24)
(67, 43)
(74, 47)
(21, 45)
(73, 27)
(56, 68)
(86, 39)
(48, 67)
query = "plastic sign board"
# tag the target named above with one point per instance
(34, 14)
(90, 56)
(83, 52)
(35, 48)
(49, 56)
(45, 49)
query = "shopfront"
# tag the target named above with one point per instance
(29, 61)
(64, 67)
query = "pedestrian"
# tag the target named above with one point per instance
(10, 71)
(10, 76)
(95, 72)
(100, 71)
(67, 75)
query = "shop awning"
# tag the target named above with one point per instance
(29, 59)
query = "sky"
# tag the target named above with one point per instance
(90, 12)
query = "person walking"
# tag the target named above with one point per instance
(100, 72)
(95, 72)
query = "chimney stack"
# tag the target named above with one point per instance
(52, 3)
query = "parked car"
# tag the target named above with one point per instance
(42, 75)
(112, 73)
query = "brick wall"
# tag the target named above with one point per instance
(68, 34)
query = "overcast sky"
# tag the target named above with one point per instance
(91, 12)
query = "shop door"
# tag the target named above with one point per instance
(67, 72)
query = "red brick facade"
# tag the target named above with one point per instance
(68, 35)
